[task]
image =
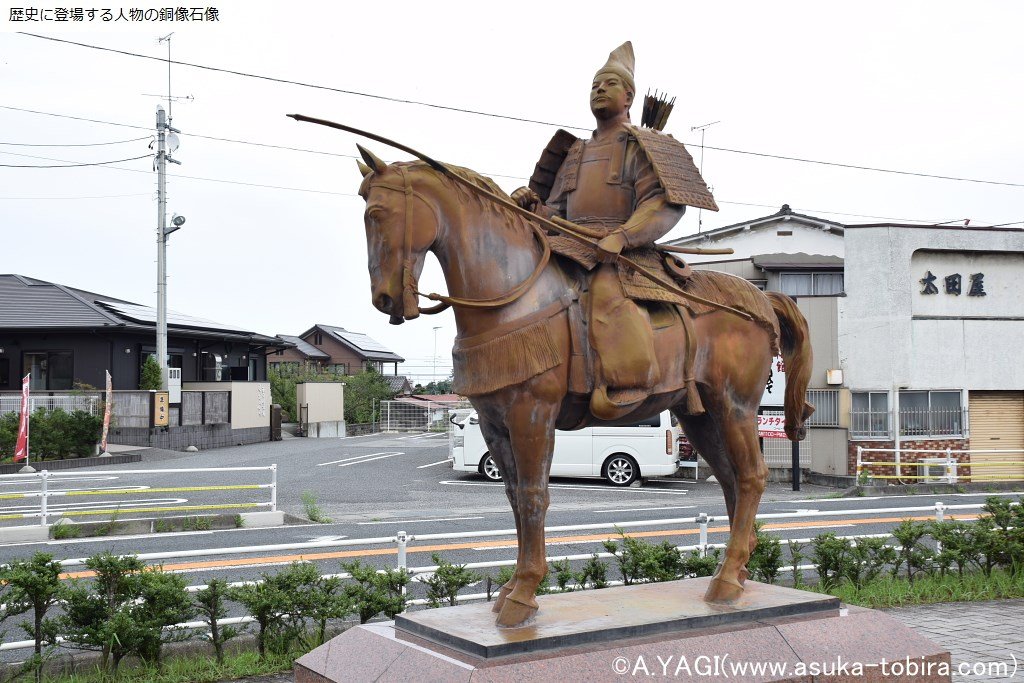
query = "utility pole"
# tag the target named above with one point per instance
(163, 131)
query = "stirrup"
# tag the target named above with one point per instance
(612, 404)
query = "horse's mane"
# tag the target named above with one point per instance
(510, 217)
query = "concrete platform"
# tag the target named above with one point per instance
(779, 635)
(608, 615)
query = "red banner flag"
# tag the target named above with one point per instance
(106, 413)
(21, 449)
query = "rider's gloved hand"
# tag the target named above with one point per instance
(611, 246)
(526, 198)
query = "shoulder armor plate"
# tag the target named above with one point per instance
(675, 168)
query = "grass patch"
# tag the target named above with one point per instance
(199, 669)
(887, 591)
(63, 529)
(313, 511)
(197, 524)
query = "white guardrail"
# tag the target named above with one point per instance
(403, 539)
(45, 478)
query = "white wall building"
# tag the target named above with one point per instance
(921, 322)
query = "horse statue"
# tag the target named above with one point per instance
(518, 352)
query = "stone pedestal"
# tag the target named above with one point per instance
(662, 630)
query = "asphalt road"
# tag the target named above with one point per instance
(377, 485)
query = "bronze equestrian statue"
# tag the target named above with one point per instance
(540, 335)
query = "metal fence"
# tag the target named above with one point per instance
(10, 402)
(923, 423)
(940, 466)
(43, 510)
(418, 416)
(826, 407)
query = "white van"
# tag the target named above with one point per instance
(621, 455)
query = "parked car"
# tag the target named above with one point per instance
(621, 455)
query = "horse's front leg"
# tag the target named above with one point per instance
(500, 448)
(532, 430)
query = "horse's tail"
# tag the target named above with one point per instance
(796, 353)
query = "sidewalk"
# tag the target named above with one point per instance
(978, 634)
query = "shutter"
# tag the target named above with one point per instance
(997, 423)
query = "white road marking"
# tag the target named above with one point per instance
(379, 457)
(625, 489)
(357, 436)
(439, 462)
(413, 521)
(320, 539)
(670, 507)
(112, 505)
(424, 435)
(356, 457)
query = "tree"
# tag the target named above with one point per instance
(34, 586)
(375, 592)
(150, 378)
(209, 603)
(363, 394)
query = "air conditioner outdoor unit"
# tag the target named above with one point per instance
(933, 470)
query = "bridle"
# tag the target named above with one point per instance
(410, 303)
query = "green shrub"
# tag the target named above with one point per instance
(444, 584)
(912, 553)
(150, 378)
(641, 562)
(210, 605)
(32, 586)
(766, 560)
(55, 434)
(373, 592)
(124, 610)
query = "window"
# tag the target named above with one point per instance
(811, 284)
(5, 373)
(931, 413)
(870, 415)
(336, 368)
(213, 367)
(50, 370)
(826, 407)
(318, 339)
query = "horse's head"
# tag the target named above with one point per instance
(401, 226)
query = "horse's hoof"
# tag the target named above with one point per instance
(723, 592)
(515, 614)
(500, 601)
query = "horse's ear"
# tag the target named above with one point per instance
(363, 168)
(371, 159)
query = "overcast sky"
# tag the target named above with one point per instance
(274, 238)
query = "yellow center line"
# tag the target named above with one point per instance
(367, 552)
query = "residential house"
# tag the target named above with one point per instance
(62, 337)
(327, 348)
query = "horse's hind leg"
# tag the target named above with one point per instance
(739, 431)
(500, 448)
(704, 433)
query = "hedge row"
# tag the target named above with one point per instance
(54, 435)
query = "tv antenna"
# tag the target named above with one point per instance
(702, 129)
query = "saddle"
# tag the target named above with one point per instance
(669, 315)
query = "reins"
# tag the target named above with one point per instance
(560, 226)
(409, 290)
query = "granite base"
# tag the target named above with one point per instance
(778, 635)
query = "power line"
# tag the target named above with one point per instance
(866, 168)
(71, 165)
(84, 144)
(516, 118)
(102, 196)
(307, 85)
